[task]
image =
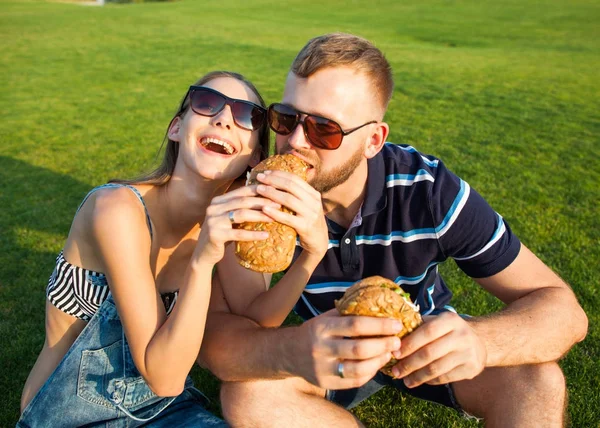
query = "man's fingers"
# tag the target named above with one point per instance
(424, 355)
(352, 326)
(283, 198)
(364, 368)
(431, 330)
(362, 349)
(289, 182)
(336, 382)
(293, 221)
(446, 369)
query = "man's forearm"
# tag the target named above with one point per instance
(539, 327)
(235, 348)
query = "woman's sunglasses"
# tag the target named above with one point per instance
(321, 132)
(208, 102)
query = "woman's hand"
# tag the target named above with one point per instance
(296, 194)
(238, 206)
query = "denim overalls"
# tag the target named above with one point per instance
(97, 384)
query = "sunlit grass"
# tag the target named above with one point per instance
(505, 92)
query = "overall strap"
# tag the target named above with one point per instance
(116, 185)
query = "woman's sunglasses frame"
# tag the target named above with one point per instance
(234, 105)
(309, 125)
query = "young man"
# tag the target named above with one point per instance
(394, 212)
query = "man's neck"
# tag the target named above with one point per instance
(342, 203)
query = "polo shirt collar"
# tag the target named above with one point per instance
(376, 197)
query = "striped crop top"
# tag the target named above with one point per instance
(80, 292)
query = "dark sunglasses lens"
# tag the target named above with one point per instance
(323, 133)
(282, 119)
(247, 116)
(206, 103)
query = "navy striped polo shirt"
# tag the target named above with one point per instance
(415, 215)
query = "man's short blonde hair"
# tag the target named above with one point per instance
(339, 50)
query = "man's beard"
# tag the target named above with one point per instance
(324, 181)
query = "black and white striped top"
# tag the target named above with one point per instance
(80, 292)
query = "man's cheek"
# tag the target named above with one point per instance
(281, 145)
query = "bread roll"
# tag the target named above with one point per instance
(377, 296)
(275, 253)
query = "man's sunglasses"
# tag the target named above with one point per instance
(208, 102)
(321, 132)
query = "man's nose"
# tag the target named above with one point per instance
(297, 139)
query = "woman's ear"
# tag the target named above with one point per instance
(377, 139)
(174, 128)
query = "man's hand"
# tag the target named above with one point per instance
(444, 349)
(296, 194)
(326, 340)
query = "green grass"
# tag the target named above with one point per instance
(505, 92)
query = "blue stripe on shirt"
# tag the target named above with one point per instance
(425, 233)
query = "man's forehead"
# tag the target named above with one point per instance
(331, 92)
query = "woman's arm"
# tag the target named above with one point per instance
(245, 290)
(248, 294)
(163, 348)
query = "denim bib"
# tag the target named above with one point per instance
(97, 383)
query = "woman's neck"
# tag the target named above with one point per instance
(181, 204)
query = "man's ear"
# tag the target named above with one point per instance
(174, 128)
(377, 139)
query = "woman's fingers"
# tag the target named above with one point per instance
(247, 215)
(253, 203)
(244, 191)
(244, 235)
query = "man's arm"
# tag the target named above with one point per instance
(232, 348)
(541, 322)
(237, 349)
(542, 319)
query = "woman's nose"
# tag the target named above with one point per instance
(223, 118)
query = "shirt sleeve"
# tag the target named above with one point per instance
(468, 229)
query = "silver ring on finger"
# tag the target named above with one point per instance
(231, 219)
(340, 370)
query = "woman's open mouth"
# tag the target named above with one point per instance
(217, 145)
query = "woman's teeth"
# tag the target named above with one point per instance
(218, 146)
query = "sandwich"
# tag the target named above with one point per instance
(275, 253)
(376, 296)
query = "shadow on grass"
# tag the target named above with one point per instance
(37, 206)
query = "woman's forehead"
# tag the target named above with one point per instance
(233, 88)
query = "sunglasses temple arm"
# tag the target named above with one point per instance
(350, 131)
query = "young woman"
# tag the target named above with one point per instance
(127, 301)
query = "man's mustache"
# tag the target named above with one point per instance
(309, 156)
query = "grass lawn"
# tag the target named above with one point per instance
(505, 92)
